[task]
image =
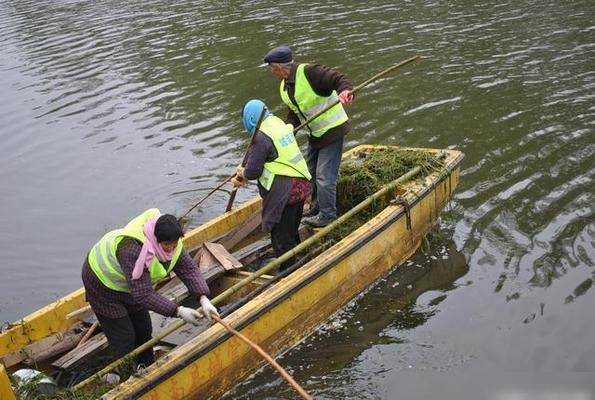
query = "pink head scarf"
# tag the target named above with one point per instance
(151, 248)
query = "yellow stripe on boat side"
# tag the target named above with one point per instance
(6, 392)
(44, 322)
(221, 224)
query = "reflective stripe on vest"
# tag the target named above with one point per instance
(311, 104)
(104, 262)
(290, 161)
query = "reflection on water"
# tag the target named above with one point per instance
(108, 108)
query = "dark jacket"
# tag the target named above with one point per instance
(283, 189)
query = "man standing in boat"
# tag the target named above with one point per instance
(120, 271)
(274, 158)
(307, 89)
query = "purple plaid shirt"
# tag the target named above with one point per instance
(113, 304)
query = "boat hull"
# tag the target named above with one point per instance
(214, 362)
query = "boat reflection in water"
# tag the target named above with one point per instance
(404, 300)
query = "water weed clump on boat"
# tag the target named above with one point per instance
(361, 177)
(31, 390)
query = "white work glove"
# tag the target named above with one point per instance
(189, 315)
(208, 307)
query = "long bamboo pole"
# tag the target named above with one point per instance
(312, 118)
(267, 357)
(270, 266)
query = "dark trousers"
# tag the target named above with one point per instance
(284, 235)
(127, 333)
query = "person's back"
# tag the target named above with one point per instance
(275, 160)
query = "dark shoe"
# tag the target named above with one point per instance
(317, 221)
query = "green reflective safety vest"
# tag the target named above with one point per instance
(311, 104)
(290, 161)
(104, 263)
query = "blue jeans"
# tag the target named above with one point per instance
(323, 165)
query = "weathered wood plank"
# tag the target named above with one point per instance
(82, 313)
(45, 348)
(217, 250)
(236, 235)
(253, 252)
(204, 259)
(74, 358)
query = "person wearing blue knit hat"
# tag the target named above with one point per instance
(276, 162)
(307, 89)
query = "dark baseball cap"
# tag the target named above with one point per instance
(281, 55)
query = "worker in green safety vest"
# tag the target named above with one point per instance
(121, 270)
(275, 160)
(307, 90)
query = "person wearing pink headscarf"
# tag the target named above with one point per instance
(121, 270)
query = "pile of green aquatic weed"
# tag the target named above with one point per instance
(361, 177)
(29, 389)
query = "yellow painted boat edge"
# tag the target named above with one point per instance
(6, 392)
(42, 323)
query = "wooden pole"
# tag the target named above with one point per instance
(88, 334)
(266, 356)
(273, 264)
(206, 197)
(245, 159)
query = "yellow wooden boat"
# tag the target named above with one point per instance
(278, 317)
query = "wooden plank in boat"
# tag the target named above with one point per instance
(82, 313)
(204, 259)
(219, 252)
(236, 235)
(74, 358)
(254, 251)
(45, 348)
(230, 238)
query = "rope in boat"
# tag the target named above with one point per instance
(267, 357)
